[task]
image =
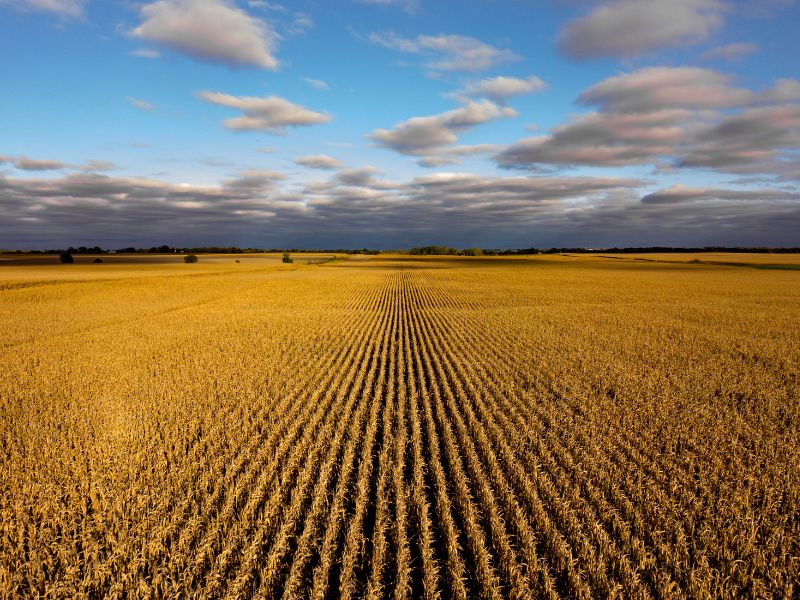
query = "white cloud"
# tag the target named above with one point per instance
(422, 136)
(214, 31)
(785, 90)
(301, 23)
(626, 28)
(271, 114)
(273, 6)
(146, 53)
(317, 83)
(730, 52)
(449, 52)
(140, 104)
(71, 9)
(410, 6)
(501, 89)
(318, 161)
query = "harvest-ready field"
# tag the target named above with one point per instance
(549, 426)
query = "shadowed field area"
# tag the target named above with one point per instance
(393, 426)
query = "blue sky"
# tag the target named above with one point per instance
(392, 123)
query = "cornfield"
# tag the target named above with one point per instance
(551, 427)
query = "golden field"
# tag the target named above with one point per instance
(391, 426)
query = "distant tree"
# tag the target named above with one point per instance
(434, 251)
(66, 258)
(287, 258)
(190, 258)
(472, 252)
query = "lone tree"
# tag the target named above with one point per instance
(66, 258)
(287, 258)
(190, 258)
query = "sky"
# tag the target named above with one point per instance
(398, 123)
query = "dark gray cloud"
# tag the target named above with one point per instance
(680, 193)
(357, 207)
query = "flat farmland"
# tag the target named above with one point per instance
(401, 427)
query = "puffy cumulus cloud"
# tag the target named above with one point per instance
(599, 139)
(318, 161)
(70, 9)
(785, 90)
(214, 31)
(753, 137)
(449, 52)
(253, 181)
(363, 177)
(627, 28)
(681, 193)
(686, 117)
(730, 52)
(655, 88)
(420, 136)
(500, 89)
(271, 114)
(357, 207)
